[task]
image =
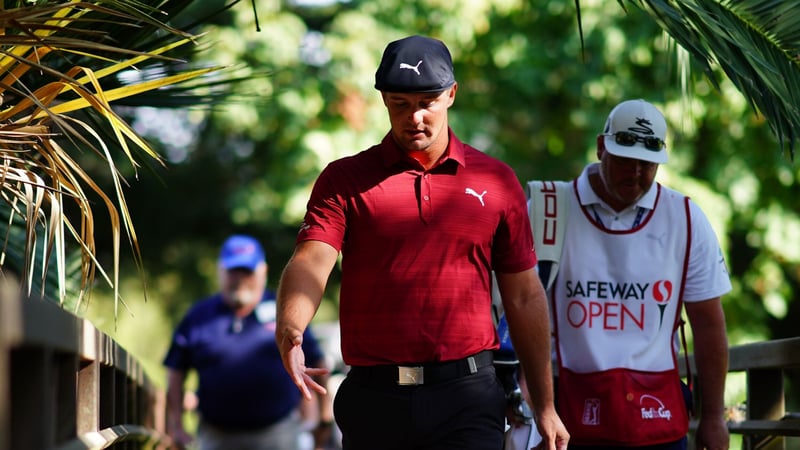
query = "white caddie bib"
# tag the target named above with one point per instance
(615, 305)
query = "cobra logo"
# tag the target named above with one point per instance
(644, 126)
(662, 291)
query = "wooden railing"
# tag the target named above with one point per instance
(766, 422)
(64, 385)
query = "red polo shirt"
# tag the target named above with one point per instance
(417, 249)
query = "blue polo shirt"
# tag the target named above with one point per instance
(242, 382)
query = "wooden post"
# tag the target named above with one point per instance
(765, 402)
(88, 403)
(10, 335)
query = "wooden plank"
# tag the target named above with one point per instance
(10, 336)
(763, 427)
(10, 315)
(47, 325)
(88, 398)
(775, 354)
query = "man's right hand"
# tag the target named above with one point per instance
(294, 360)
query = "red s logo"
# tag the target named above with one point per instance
(662, 291)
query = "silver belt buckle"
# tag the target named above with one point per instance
(410, 376)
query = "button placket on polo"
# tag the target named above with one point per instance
(426, 209)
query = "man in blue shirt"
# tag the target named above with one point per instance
(246, 398)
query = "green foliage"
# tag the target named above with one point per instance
(754, 42)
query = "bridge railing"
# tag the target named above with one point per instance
(766, 423)
(64, 385)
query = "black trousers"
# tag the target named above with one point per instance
(680, 444)
(466, 413)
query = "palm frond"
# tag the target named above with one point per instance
(57, 58)
(755, 42)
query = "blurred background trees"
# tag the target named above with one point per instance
(530, 94)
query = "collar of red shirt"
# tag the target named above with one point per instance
(392, 153)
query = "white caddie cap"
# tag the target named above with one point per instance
(642, 119)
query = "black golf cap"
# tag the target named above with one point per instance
(415, 64)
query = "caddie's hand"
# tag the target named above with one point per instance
(294, 360)
(712, 433)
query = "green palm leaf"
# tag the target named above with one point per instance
(756, 43)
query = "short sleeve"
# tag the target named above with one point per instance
(707, 276)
